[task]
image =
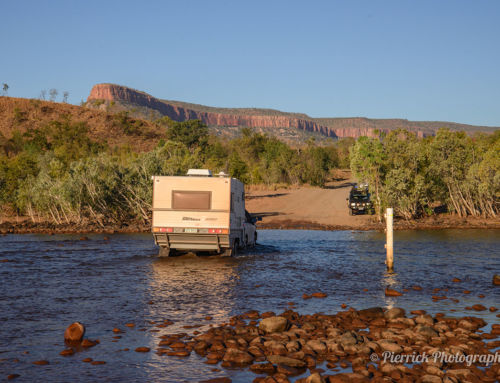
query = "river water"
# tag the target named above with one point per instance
(48, 282)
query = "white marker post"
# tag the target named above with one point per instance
(389, 240)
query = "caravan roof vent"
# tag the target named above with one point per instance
(199, 173)
(222, 174)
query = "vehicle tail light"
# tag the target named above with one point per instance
(218, 231)
(166, 229)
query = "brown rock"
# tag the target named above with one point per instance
(496, 280)
(456, 280)
(315, 378)
(287, 370)
(87, 360)
(273, 324)
(181, 353)
(319, 295)
(306, 296)
(142, 349)
(286, 361)
(88, 343)
(394, 313)
(430, 379)
(74, 332)
(493, 309)
(478, 308)
(224, 379)
(418, 312)
(177, 345)
(13, 376)
(262, 368)
(130, 324)
(97, 362)
(67, 352)
(236, 356)
(41, 362)
(392, 293)
(268, 314)
(117, 330)
(417, 288)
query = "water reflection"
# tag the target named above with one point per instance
(192, 284)
(391, 281)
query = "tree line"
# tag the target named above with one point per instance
(58, 173)
(451, 171)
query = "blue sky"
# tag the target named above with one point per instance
(420, 60)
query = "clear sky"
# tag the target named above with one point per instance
(420, 60)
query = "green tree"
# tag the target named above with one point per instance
(192, 133)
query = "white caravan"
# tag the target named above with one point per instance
(199, 212)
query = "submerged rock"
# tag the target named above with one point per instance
(392, 293)
(286, 361)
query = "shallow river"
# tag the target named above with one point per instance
(49, 282)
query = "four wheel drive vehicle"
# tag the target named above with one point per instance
(201, 213)
(359, 200)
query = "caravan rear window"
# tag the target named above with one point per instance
(191, 200)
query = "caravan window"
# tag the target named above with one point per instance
(191, 200)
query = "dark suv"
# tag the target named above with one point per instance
(359, 200)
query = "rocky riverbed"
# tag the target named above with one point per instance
(353, 346)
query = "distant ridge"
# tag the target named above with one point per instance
(105, 94)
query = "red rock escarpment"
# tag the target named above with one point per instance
(254, 118)
(110, 92)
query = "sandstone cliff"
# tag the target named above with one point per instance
(265, 118)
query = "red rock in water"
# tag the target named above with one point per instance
(418, 312)
(13, 376)
(478, 307)
(181, 353)
(343, 305)
(41, 362)
(306, 296)
(456, 280)
(496, 280)
(130, 324)
(67, 352)
(481, 296)
(217, 380)
(142, 349)
(417, 288)
(493, 309)
(319, 295)
(88, 343)
(117, 330)
(466, 292)
(392, 293)
(87, 360)
(74, 332)
(97, 362)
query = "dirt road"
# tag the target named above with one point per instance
(303, 206)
